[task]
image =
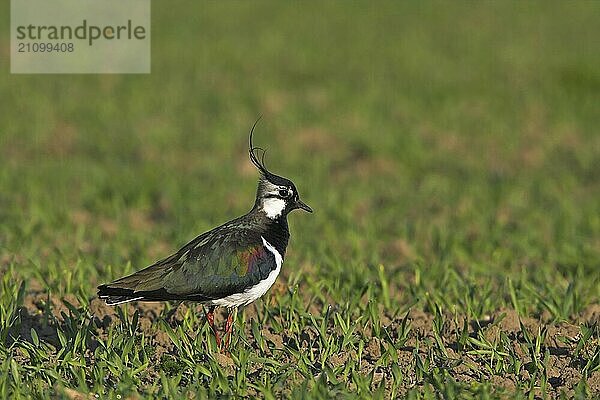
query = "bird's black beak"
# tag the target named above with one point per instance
(302, 205)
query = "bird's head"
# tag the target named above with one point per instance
(276, 196)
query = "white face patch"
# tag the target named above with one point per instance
(273, 207)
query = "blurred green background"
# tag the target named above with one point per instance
(456, 145)
(465, 135)
(405, 126)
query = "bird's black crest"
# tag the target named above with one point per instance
(260, 164)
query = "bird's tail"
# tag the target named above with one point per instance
(114, 296)
(146, 285)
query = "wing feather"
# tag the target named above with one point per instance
(214, 265)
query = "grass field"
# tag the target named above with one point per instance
(452, 158)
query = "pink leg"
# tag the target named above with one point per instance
(210, 317)
(228, 329)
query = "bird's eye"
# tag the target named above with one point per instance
(285, 193)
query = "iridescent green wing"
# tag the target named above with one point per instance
(222, 266)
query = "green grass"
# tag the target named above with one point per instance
(451, 156)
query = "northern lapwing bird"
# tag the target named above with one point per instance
(231, 265)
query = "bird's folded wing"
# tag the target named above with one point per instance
(210, 267)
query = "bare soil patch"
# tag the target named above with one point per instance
(563, 366)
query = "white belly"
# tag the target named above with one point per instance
(252, 293)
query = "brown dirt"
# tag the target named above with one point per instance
(563, 368)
